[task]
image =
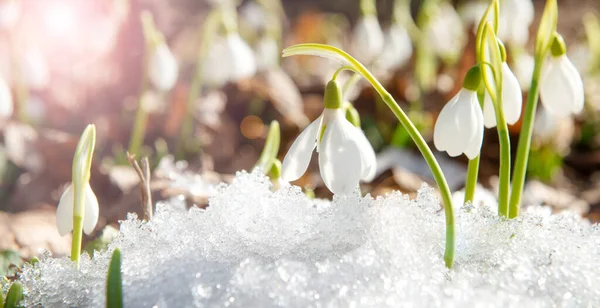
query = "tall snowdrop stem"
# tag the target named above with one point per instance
(341, 56)
(491, 53)
(543, 42)
(82, 163)
(209, 30)
(473, 167)
(141, 116)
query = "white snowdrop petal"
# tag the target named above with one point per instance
(298, 156)
(92, 210)
(64, 212)
(397, 49)
(443, 125)
(367, 39)
(367, 154)
(558, 87)
(576, 83)
(267, 53)
(474, 146)
(217, 65)
(243, 64)
(162, 68)
(339, 160)
(489, 114)
(512, 98)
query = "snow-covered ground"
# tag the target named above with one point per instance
(256, 248)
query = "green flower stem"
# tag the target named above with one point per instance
(333, 52)
(504, 176)
(77, 229)
(368, 7)
(524, 146)
(544, 39)
(208, 33)
(473, 168)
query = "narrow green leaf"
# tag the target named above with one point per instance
(14, 296)
(271, 148)
(546, 29)
(114, 284)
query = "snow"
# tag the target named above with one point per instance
(256, 248)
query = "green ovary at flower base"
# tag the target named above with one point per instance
(78, 207)
(345, 59)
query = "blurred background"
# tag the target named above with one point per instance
(68, 63)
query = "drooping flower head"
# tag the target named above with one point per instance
(561, 86)
(229, 59)
(459, 127)
(162, 67)
(512, 97)
(345, 154)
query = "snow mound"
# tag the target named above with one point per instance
(256, 248)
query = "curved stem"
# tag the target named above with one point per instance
(338, 54)
(518, 180)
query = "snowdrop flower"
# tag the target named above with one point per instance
(561, 86)
(512, 100)
(523, 65)
(64, 211)
(515, 18)
(229, 59)
(267, 53)
(398, 48)
(162, 67)
(459, 127)
(345, 154)
(6, 101)
(445, 32)
(34, 69)
(367, 39)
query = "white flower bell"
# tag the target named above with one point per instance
(35, 69)
(6, 101)
(561, 86)
(459, 127)
(515, 18)
(345, 154)
(445, 33)
(64, 211)
(512, 100)
(162, 68)
(398, 48)
(367, 39)
(267, 53)
(229, 59)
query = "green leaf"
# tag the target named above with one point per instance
(114, 283)
(8, 258)
(14, 296)
(269, 153)
(546, 29)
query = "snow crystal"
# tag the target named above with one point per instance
(256, 248)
